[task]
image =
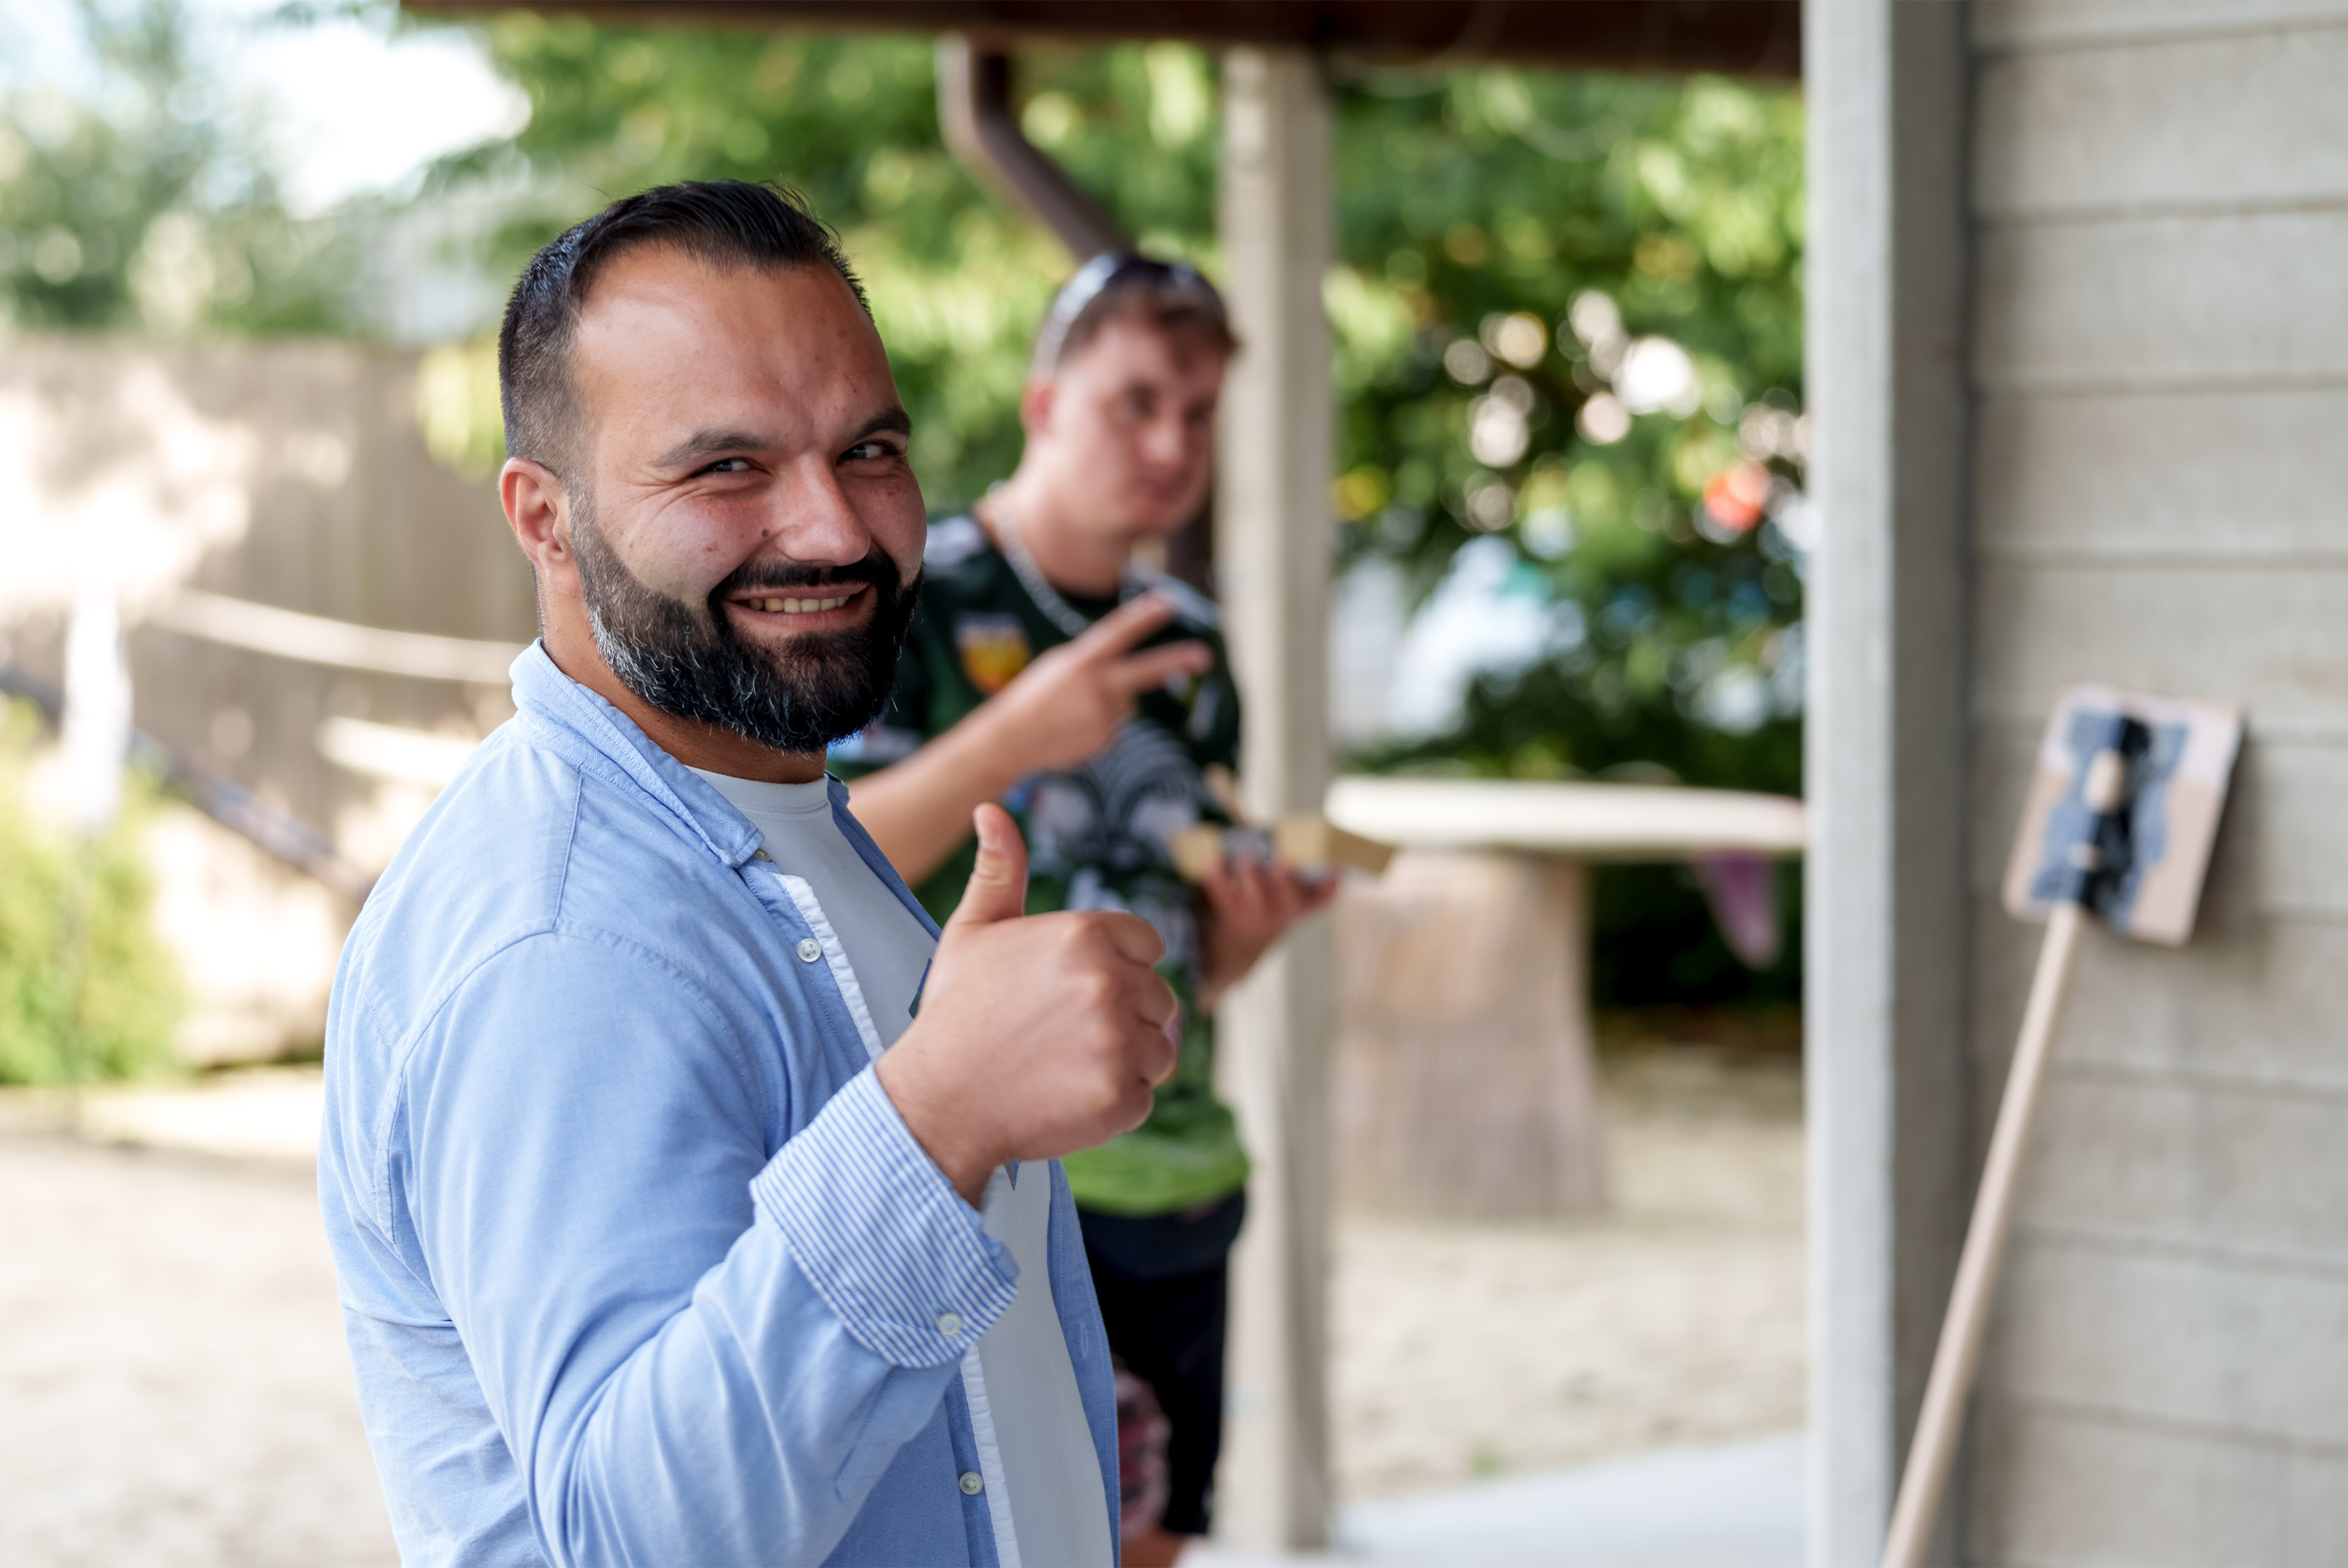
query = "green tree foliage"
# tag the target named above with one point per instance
(145, 206)
(1572, 318)
(1518, 247)
(86, 989)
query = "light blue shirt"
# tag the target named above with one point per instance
(639, 1264)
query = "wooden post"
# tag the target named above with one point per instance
(1887, 747)
(1273, 547)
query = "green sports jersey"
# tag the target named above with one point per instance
(1097, 835)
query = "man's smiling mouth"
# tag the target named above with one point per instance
(823, 601)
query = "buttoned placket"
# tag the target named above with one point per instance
(823, 943)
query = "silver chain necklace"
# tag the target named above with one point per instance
(1056, 610)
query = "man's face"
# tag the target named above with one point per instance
(748, 529)
(1125, 428)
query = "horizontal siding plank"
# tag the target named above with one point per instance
(2174, 1340)
(2254, 1001)
(2055, 1486)
(2239, 119)
(2230, 301)
(2188, 1166)
(2236, 476)
(1999, 25)
(2273, 640)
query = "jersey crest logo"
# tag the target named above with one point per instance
(993, 650)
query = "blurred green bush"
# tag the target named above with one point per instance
(86, 989)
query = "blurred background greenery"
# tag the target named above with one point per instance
(1567, 312)
(86, 989)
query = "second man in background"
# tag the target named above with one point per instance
(1048, 670)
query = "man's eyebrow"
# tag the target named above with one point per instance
(704, 444)
(892, 419)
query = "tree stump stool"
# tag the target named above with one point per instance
(1462, 1084)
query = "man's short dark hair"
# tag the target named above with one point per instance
(724, 222)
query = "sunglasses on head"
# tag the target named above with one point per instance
(1114, 272)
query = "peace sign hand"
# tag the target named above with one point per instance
(1068, 705)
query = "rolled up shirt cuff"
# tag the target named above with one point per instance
(881, 1234)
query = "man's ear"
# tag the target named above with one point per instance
(1035, 401)
(537, 509)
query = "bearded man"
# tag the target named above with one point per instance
(666, 1231)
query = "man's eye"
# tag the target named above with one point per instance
(869, 452)
(729, 466)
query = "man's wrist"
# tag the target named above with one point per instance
(936, 1126)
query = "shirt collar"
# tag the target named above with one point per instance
(561, 708)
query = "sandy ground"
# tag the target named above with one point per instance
(174, 1388)
(1471, 1351)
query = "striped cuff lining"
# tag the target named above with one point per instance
(880, 1234)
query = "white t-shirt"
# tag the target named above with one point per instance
(1023, 1388)
(888, 948)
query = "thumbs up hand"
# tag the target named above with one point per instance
(1039, 1035)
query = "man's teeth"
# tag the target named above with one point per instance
(797, 606)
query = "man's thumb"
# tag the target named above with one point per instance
(998, 883)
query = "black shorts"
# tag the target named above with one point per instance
(1163, 1287)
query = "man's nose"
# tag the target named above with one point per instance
(814, 522)
(1167, 441)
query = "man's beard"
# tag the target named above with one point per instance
(823, 686)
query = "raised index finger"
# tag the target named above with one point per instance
(1122, 628)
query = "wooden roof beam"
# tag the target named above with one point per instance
(1737, 37)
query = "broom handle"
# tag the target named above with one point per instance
(1942, 1420)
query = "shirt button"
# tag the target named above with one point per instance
(809, 949)
(949, 1324)
(972, 1483)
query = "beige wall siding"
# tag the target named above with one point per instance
(2163, 124)
(2160, 353)
(2090, 477)
(2051, 25)
(2076, 1484)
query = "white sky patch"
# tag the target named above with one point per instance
(349, 105)
(40, 42)
(1486, 616)
(355, 110)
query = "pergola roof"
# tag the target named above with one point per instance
(1746, 37)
